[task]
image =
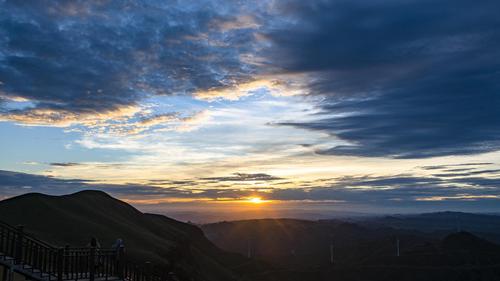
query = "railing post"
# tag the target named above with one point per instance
(10, 274)
(66, 259)
(19, 244)
(60, 257)
(5, 272)
(92, 264)
(148, 269)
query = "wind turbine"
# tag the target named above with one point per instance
(331, 250)
(397, 246)
(457, 221)
(249, 248)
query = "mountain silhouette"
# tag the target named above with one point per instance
(465, 241)
(74, 219)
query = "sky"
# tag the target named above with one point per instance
(355, 106)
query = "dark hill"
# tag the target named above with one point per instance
(73, 219)
(466, 248)
(302, 243)
(467, 242)
(484, 225)
(301, 249)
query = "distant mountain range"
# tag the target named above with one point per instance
(431, 247)
(484, 225)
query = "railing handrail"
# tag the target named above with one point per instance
(27, 236)
(6, 225)
(88, 249)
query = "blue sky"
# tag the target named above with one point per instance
(379, 106)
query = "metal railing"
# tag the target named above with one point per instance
(45, 262)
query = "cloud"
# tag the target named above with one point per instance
(272, 85)
(66, 118)
(194, 121)
(95, 61)
(162, 122)
(455, 173)
(402, 79)
(64, 164)
(13, 183)
(31, 163)
(239, 22)
(143, 123)
(373, 193)
(466, 165)
(244, 177)
(133, 123)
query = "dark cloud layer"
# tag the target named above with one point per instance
(457, 166)
(405, 79)
(92, 57)
(13, 183)
(64, 164)
(244, 177)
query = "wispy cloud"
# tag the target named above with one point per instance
(64, 164)
(245, 177)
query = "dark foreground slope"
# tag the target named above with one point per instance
(73, 219)
(301, 249)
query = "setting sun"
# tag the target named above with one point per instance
(256, 200)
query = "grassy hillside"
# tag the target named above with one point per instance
(74, 219)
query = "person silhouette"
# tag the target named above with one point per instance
(94, 243)
(118, 244)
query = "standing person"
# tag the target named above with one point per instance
(94, 243)
(118, 244)
(119, 248)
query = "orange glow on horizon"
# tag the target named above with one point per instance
(206, 200)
